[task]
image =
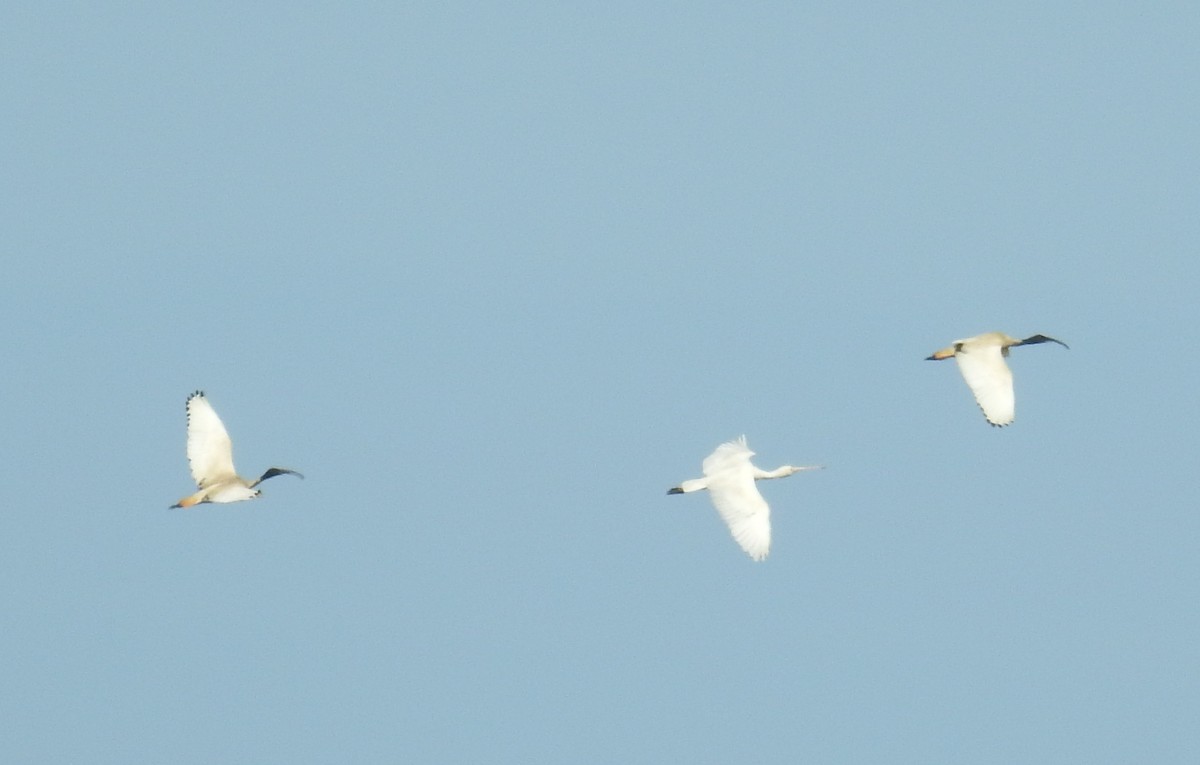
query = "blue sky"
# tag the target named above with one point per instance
(495, 277)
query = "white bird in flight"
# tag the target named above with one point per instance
(729, 477)
(981, 361)
(210, 456)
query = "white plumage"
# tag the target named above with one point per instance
(729, 477)
(980, 359)
(210, 457)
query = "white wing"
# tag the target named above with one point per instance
(209, 450)
(731, 454)
(731, 485)
(990, 379)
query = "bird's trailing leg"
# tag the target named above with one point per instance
(195, 499)
(945, 353)
(693, 484)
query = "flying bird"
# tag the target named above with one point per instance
(981, 362)
(729, 477)
(210, 456)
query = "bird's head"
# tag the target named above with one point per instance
(790, 469)
(1036, 339)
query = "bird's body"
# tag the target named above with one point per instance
(210, 457)
(729, 477)
(980, 359)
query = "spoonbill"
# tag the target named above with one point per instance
(729, 477)
(210, 456)
(981, 362)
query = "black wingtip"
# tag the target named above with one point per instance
(675, 490)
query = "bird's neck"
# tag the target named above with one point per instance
(778, 472)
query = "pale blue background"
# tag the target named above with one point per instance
(495, 277)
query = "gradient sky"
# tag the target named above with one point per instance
(494, 277)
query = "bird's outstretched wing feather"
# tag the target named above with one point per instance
(731, 454)
(731, 486)
(990, 379)
(209, 450)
